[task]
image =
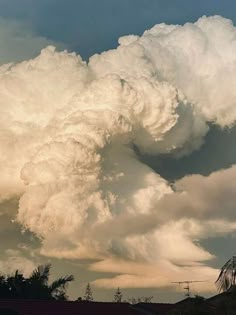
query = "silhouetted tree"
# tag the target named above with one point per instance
(4, 288)
(36, 286)
(226, 279)
(88, 295)
(118, 296)
(17, 285)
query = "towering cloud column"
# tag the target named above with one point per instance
(70, 132)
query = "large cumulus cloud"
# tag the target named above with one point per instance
(70, 132)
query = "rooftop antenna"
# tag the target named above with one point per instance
(187, 285)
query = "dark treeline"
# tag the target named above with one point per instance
(36, 286)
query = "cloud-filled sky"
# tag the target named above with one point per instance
(120, 170)
(94, 26)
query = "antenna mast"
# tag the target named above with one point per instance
(187, 285)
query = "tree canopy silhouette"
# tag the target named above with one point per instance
(88, 296)
(118, 296)
(226, 279)
(36, 286)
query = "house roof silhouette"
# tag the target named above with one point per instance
(154, 308)
(42, 307)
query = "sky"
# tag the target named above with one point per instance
(118, 166)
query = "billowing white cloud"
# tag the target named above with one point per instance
(70, 132)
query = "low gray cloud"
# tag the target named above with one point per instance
(196, 196)
(18, 42)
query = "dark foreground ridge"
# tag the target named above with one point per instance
(37, 307)
(220, 304)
